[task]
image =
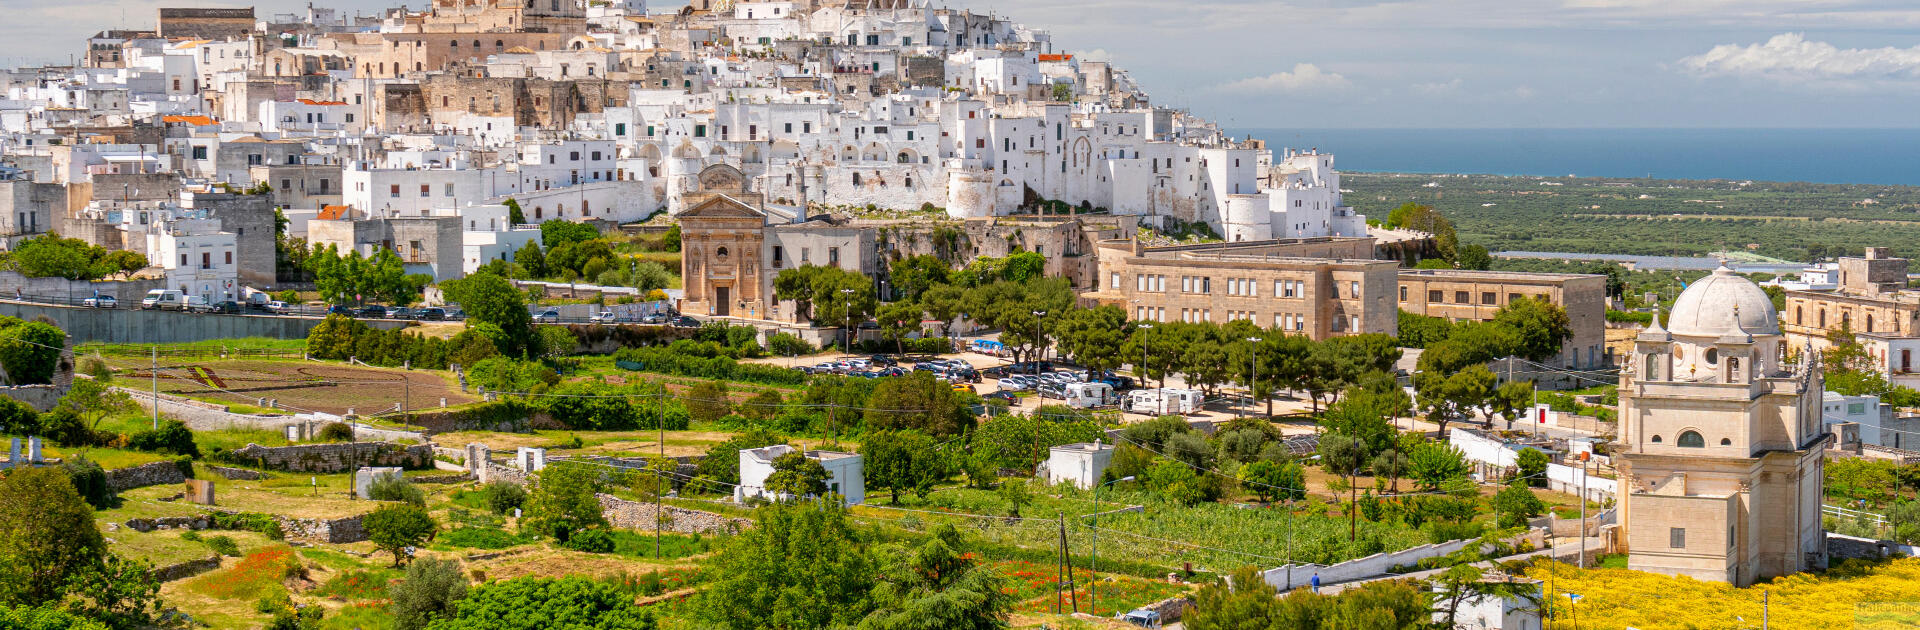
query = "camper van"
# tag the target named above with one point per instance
(163, 299)
(1089, 395)
(1163, 401)
(988, 347)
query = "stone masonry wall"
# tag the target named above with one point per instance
(640, 516)
(333, 458)
(236, 474)
(184, 570)
(338, 531)
(154, 474)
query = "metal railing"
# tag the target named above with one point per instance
(1878, 520)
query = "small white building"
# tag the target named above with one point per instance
(1491, 612)
(846, 474)
(1865, 411)
(198, 258)
(1080, 464)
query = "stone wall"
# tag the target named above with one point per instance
(154, 474)
(184, 570)
(339, 530)
(170, 522)
(40, 397)
(236, 474)
(126, 325)
(459, 478)
(205, 416)
(1170, 609)
(333, 458)
(640, 516)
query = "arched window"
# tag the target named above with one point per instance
(539, 212)
(1713, 356)
(1656, 439)
(1869, 322)
(1692, 439)
(1726, 442)
(720, 253)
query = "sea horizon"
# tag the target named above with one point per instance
(1853, 155)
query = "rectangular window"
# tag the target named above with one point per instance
(426, 190)
(1513, 297)
(1114, 280)
(1854, 409)
(1186, 284)
(1353, 289)
(1460, 297)
(1487, 297)
(229, 258)
(1206, 285)
(1677, 537)
(1435, 296)
(199, 153)
(1139, 282)
(393, 191)
(699, 131)
(833, 256)
(1403, 294)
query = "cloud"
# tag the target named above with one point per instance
(1097, 54)
(1303, 77)
(1437, 88)
(1791, 57)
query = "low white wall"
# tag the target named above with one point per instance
(1371, 566)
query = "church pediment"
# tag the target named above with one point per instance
(722, 207)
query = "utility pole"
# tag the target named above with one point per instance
(1059, 560)
(1253, 364)
(1353, 508)
(1066, 556)
(1583, 512)
(1766, 604)
(153, 371)
(660, 487)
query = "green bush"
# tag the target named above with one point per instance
(224, 545)
(594, 540)
(172, 437)
(336, 432)
(248, 522)
(90, 481)
(504, 497)
(395, 488)
(481, 538)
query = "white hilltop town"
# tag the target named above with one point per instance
(782, 197)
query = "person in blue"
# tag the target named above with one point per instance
(1316, 583)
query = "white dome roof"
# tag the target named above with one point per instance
(1708, 307)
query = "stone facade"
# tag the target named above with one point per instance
(1318, 287)
(206, 23)
(1466, 295)
(334, 458)
(640, 516)
(1722, 465)
(154, 474)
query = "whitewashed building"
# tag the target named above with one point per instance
(845, 473)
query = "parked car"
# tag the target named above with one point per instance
(602, 317)
(859, 364)
(196, 304)
(339, 310)
(1004, 396)
(550, 316)
(654, 318)
(403, 313)
(431, 314)
(277, 307)
(454, 314)
(1050, 390)
(893, 371)
(229, 307)
(963, 387)
(165, 299)
(685, 322)
(100, 301)
(372, 311)
(883, 360)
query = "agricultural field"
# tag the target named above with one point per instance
(1653, 217)
(329, 387)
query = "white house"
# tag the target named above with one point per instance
(845, 472)
(1492, 612)
(1865, 411)
(198, 258)
(1081, 464)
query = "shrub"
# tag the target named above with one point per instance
(430, 590)
(480, 538)
(538, 603)
(172, 437)
(395, 488)
(224, 545)
(595, 540)
(90, 481)
(249, 522)
(335, 432)
(504, 497)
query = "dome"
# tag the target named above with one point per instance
(1708, 307)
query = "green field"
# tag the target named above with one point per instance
(1653, 217)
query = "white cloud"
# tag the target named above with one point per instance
(1791, 57)
(1440, 88)
(1303, 77)
(1097, 54)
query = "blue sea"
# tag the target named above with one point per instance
(1835, 156)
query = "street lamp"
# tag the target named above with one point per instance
(1143, 353)
(1093, 564)
(846, 313)
(1038, 349)
(1253, 363)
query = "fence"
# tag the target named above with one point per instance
(1289, 577)
(1849, 514)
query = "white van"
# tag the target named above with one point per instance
(1163, 401)
(196, 303)
(162, 299)
(1089, 395)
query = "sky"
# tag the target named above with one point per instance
(1398, 64)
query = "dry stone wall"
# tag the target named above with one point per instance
(636, 515)
(334, 458)
(236, 474)
(154, 474)
(184, 570)
(338, 531)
